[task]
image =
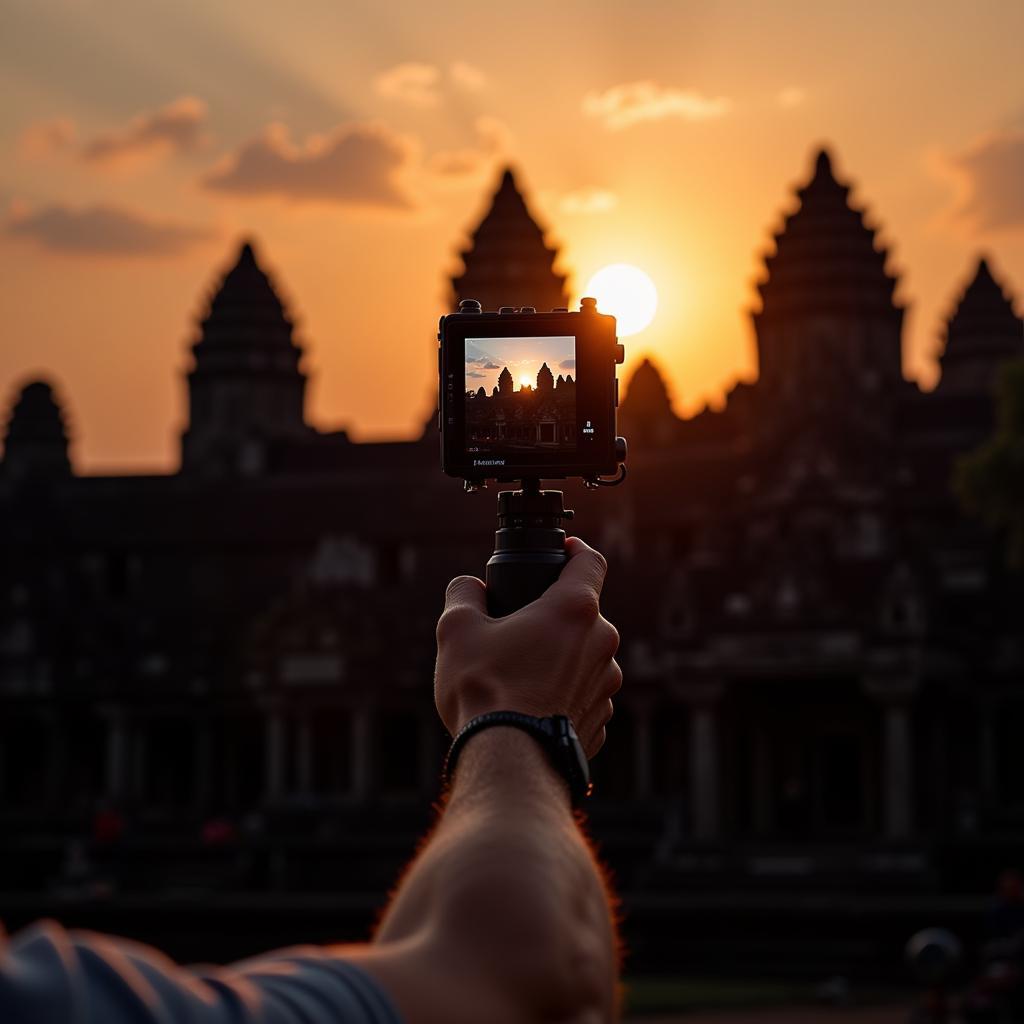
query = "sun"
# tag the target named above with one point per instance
(525, 381)
(627, 293)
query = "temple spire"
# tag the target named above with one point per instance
(828, 312)
(983, 333)
(507, 262)
(646, 415)
(36, 441)
(246, 389)
(823, 164)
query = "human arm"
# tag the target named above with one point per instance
(504, 915)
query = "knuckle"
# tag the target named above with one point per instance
(610, 638)
(453, 621)
(581, 605)
(616, 678)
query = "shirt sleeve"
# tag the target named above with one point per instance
(52, 976)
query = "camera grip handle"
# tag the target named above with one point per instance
(515, 578)
(529, 547)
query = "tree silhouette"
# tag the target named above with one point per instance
(990, 480)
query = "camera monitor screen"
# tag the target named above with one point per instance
(520, 395)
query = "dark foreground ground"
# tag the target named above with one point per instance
(695, 1000)
(785, 1015)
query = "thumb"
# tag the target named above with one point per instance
(466, 592)
(584, 571)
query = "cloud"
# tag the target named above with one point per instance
(623, 106)
(567, 364)
(413, 83)
(356, 165)
(495, 136)
(462, 167)
(791, 96)
(45, 138)
(178, 127)
(475, 375)
(988, 177)
(457, 163)
(589, 200)
(467, 77)
(491, 366)
(422, 85)
(102, 229)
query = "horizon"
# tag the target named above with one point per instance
(132, 175)
(523, 357)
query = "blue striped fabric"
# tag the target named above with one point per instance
(52, 976)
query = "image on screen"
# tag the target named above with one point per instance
(520, 395)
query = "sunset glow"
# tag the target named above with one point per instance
(666, 137)
(626, 293)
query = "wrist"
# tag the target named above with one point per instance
(510, 766)
(465, 711)
(553, 734)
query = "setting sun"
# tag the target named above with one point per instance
(627, 293)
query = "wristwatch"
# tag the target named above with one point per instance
(554, 733)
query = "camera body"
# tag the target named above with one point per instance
(528, 395)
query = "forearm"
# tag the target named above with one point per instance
(509, 881)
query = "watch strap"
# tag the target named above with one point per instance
(555, 734)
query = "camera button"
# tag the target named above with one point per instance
(620, 353)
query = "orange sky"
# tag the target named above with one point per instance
(358, 142)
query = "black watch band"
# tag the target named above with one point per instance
(554, 733)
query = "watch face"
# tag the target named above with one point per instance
(573, 756)
(581, 760)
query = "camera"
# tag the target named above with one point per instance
(528, 395)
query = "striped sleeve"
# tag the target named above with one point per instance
(52, 976)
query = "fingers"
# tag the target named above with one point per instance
(465, 604)
(612, 680)
(596, 743)
(583, 576)
(591, 728)
(592, 732)
(466, 591)
(605, 640)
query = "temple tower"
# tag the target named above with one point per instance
(983, 333)
(645, 415)
(36, 442)
(507, 262)
(828, 326)
(245, 390)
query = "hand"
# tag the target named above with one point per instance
(556, 656)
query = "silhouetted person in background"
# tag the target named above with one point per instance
(502, 917)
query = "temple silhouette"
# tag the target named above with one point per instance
(823, 654)
(529, 418)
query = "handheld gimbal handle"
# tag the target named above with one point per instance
(529, 547)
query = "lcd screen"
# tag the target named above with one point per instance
(520, 395)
